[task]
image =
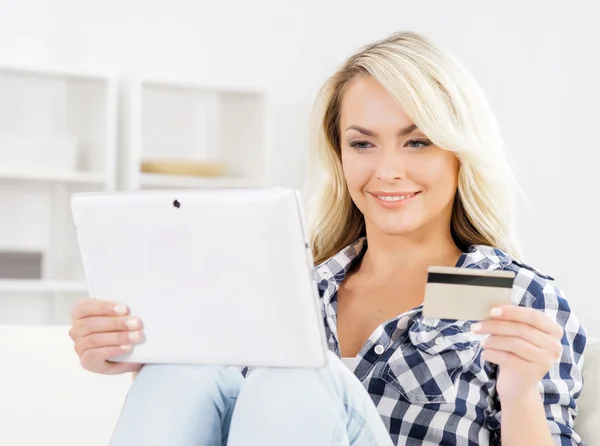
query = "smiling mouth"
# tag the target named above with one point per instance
(390, 198)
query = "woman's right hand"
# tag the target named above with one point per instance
(102, 330)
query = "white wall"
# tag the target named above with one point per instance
(536, 60)
(537, 63)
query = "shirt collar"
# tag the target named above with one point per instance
(336, 267)
(484, 257)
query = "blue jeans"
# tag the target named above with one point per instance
(185, 405)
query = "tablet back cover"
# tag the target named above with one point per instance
(217, 276)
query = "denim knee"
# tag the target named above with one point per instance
(204, 382)
(179, 405)
(294, 382)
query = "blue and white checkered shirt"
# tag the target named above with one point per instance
(426, 376)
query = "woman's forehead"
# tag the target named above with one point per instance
(366, 104)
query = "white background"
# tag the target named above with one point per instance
(536, 60)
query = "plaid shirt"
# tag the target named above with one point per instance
(426, 376)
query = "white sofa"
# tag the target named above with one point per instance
(46, 398)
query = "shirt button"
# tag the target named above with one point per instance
(379, 349)
(440, 341)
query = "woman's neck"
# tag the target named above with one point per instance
(388, 254)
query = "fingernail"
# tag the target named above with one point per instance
(134, 336)
(126, 347)
(495, 312)
(120, 309)
(132, 324)
(475, 327)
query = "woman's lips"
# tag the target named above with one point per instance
(393, 200)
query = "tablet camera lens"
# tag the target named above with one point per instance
(177, 204)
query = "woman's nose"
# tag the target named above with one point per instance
(391, 166)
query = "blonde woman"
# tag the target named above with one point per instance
(412, 173)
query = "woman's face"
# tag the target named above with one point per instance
(398, 179)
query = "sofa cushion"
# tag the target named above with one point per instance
(587, 423)
(47, 397)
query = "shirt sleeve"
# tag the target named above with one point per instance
(562, 385)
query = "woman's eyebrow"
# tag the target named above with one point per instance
(402, 132)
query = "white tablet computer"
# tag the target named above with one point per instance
(216, 276)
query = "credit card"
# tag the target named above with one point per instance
(465, 293)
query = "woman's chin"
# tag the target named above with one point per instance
(397, 230)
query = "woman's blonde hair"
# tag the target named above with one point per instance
(446, 103)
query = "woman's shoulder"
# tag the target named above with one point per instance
(492, 258)
(532, 287)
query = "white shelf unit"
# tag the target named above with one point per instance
(42, 286)
(57, 137)
(64, 177)
(186, 122)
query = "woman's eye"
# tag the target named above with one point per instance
(418, 143)
(360, 145)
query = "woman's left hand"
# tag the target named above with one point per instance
(525, 343)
